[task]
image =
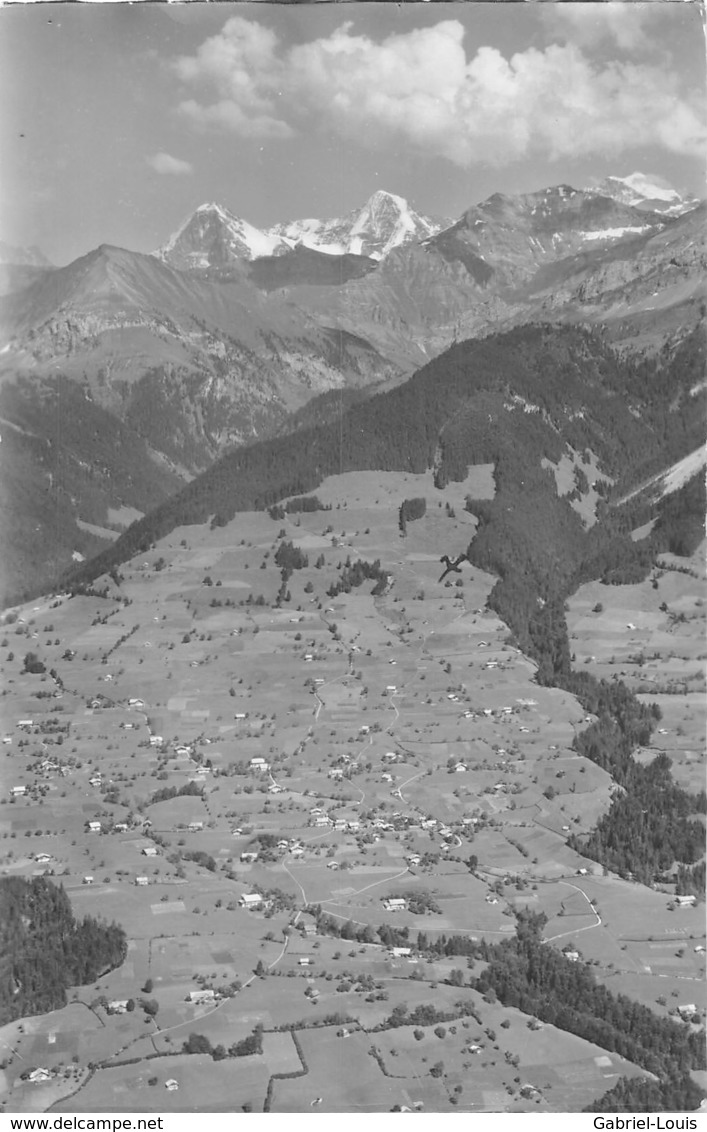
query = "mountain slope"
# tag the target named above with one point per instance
(515, 399)
(177, 368)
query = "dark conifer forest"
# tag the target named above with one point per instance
(44, 949)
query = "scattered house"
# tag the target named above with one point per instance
(362, 730)
(309, 657)
(39, 1075)
(171, 1085)
(18, 791)
(332, 865)
(340, 825)
(386, 778)
(42, 858)
(354, 826)
(282, 844)
(334, 772)
(142, 881)
(240, 715)
(121, 827)
(391, 689)
(183, 751)
(134, 702)
(319, 680)
(390, 756)
(251, 900)
(259, 764)
(249, 856)
(117, 1006)
(413, 859)
(685, 901)
(582, 872)
(395, 904)
(202, 997)
(699, 949)
(156, 740)
(460, 768)
(25, 723)
(310, 929)
(304, 961)
(87, 880)
(274, 789)
(95, 827)
(320, 821)
(194, 826)
(95, 780)
(571, 954)
(298, 851)
(689, 1008)
(149, 851)
(400, 952)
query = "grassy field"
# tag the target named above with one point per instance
(408, 718)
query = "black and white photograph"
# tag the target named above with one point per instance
(352, 564)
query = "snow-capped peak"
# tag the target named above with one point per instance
(384, 222)
(643, 190)
(213, 236)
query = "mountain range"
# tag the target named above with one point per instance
(123, 376)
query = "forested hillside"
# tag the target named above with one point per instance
(44, 950)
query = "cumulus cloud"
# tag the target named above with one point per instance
(419, 88)
(624, 22)
(167, 165)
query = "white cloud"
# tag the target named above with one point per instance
(625, 22)
(166, 164)
(419, 88)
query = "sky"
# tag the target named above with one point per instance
(117, 120)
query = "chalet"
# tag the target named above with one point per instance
(149, 851)
(413, 859)
(304, 961)
(571, 954)
(309, 657)
(274, 789)
(460, 768)
(386, 778)
(685, 901)
(390, 756)
(319, 680)
(194, 826)
(282, 844)
(298, 851)
(395, 904)
(134, 702)
(258, 763)
(202, 997)
(42, 858)
(249, 857)
(391, 689)
(332, 865)
(688, 1009)
(18, 791)
(156, 740)
(335, 772)
(171, 1085)
(87, 880)
(183, 752)
(310, 929)
(37, 1076)
(117, 1006)
(142, 881)
(95, 781)
(400, 952)
(699, 949)
(240, 715)
(251, 900)
(25, 723)
(121, 827)
(94, 827)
